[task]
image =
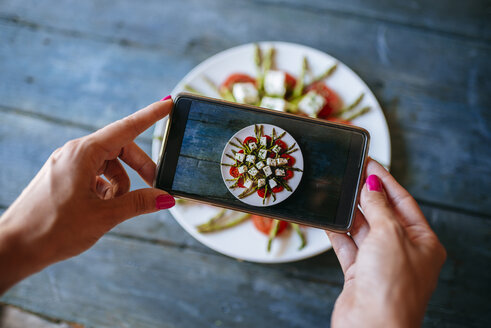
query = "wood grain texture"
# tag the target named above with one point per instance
(123, 281)
(432, 87)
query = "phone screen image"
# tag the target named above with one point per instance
(208, 130)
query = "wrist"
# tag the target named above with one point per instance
(20, 256)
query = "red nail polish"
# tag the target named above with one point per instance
(165, 201)
(373, 183)
(164, 99)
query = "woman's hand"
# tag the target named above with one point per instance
(391, 261)
(68, 206)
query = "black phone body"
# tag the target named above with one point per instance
(334, 157)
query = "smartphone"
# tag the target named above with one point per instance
(262, 161)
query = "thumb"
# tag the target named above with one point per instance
(374, 203)
(139, 202)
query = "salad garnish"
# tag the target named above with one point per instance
(262, 164)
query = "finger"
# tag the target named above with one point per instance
(374, 203)
(139, 161)
(360, 228)
(138, 202)
(103, 188)
(120, 133)
(405, 205)
(345, 249)
(117, 176)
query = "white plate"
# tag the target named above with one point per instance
(254, 199)
(244, 241)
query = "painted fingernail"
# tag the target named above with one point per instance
(165, 98)
(373, 183)
(165, 201)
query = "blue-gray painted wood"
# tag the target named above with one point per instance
(122, 281)
(461, 18)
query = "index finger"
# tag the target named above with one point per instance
(118, 134)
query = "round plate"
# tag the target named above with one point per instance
(244, 241)
(254, 199)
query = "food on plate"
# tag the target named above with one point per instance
(261, 164)
(275, 89)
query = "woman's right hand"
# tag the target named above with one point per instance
(391, 259)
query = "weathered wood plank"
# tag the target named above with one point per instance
(142, 284)
(462, 18)
(139, 284)
(436, 101)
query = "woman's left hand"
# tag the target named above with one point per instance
(68, 206)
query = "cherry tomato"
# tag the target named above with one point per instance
(268, 140)
(265, 224)
(241, 151)
(234, 171)
(290, 81)
(282, 144)
(260, 192)
(249, 139)
(291, 159)
(237, 78)
(333, 102)
(288, 175)
(240, 183)
(278, 188)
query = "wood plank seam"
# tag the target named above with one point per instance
(14, 20)
(304, 6)
(40, 315)
(59, 121)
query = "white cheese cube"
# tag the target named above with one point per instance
(251, 159)
(263, 153)
(278, 104)
(272, 183)
(260, 165)
(281, 161)
(261, 183)
(311, 103)
(267, 171)
(253, 171)
(271, 162)
(275, 83)
(248, 183)
(242, 169)
(279, 172)
(245, 93)
(276, 149)
(264, 141)
(252, 145)
(240, 157)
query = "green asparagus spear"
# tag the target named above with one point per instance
(351, 106)
(362, 111)
(298, 90)
(221, 222)
(192, 90)
(272, 233)
(326, 74)
(211, 84)
(300, 234)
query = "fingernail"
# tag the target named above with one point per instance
(165, 201)
(164, 99)
(373, 183)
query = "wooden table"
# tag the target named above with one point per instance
(70, 67)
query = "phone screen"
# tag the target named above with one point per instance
(202, 130)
